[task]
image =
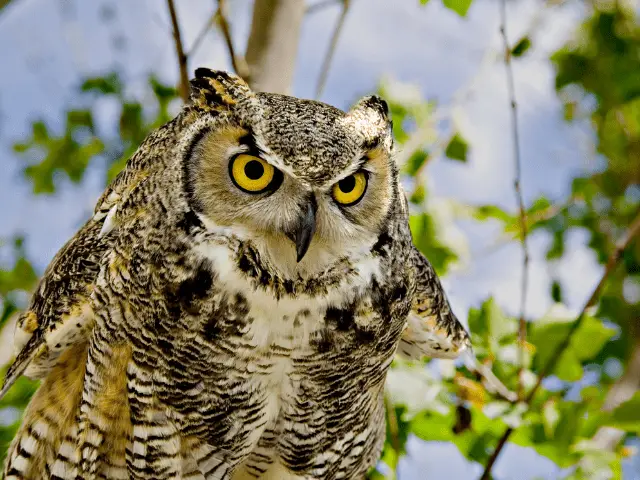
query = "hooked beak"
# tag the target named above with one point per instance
(304, 228)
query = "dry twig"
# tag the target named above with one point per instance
(182, 57)
(239, 63)
(321, 5)
(326, 64)
(211, 21)
(614, 259)
(517, 186)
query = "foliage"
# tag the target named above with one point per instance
(461, 7)
(79, 144)
(560, 423)
(17, 279)
(443, 405)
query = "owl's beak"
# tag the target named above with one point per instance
(303, 229)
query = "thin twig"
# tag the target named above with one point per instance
(326, 64)
(182, 58)
(614, 259)
(532, 220)
(201, 35)
(517, 186)
(239, 63)
(493, 383)
(321, 5)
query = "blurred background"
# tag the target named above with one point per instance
(82, 84)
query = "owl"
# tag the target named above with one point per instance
(233, 306)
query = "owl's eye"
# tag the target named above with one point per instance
(350, 190)
(251, 174)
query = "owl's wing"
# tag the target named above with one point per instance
(434, 331)
(432, 328)
(91, 333)
(59, 315)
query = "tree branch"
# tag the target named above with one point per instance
(273, 44)
(321, 5)
(239, 63)
(326, 64)
(183, 86)
(614, 259)
(201, 35)
(517, 186)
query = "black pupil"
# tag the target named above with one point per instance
(254, 169)
(347, 184)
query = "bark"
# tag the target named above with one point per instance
(273, 44)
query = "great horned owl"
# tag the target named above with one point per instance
(233, 306)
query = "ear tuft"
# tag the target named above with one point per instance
(217, 90)
(370, 116)
(375, 103)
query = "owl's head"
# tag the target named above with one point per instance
(305, 182)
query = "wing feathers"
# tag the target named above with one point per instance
(432, 328)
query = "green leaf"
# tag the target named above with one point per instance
(485, 212)
(521, 47)
(432, 427)
(423, 231)
(569, 110)
(21, 277)
(491, 322)
(590, 337)
(21, 147)
(568, 367)
(457, 148)
(107, 85)
(556, 250)
(556, 291)
(131, 122)
(415, 161)
(116, 167)
(418, 195)
(548, 333)
(40, 132)
(424, 2)
(459, 6)
(627, 416)
(80, 118)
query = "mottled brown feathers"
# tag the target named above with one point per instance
(181, 333)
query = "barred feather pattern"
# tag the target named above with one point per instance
(197, 356)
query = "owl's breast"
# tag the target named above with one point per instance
(250, 369)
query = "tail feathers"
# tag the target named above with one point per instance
(92, 418)
(49, 420)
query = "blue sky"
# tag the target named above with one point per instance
(46, 47)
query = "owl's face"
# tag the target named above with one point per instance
(306, 183)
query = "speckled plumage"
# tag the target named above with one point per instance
(179, 336)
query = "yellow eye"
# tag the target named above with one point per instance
(350, 190)
(251, 174)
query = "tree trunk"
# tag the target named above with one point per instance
(273, 44)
